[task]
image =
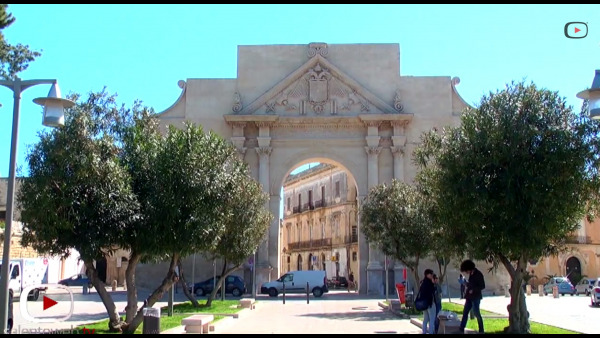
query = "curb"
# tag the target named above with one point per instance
(419, 323)
(213, 327)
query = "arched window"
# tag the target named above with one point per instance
(323, 262)
(289, 263)
(310, 259)
(299, 262)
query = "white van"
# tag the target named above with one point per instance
(295, 282)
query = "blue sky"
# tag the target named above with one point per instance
(141, 51)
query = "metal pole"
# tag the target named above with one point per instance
(214, 273)
(307, 294)
(254, 288)
(387, 289)
(447, 286)
(283, 292)
(10, 199)
(193, 273)
(17, 86)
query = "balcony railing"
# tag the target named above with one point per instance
(578, 240)
(315, 243)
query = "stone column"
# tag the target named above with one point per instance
(238, 139)
(263, 266)
(397, 148)
(274, 255)
(374, 266)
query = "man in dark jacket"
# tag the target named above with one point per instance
(475, 283)
(427, 293)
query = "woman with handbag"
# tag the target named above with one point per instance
(425, 298)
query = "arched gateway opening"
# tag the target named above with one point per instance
(344, 105)
(319, 214)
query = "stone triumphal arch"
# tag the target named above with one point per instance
(346, 104)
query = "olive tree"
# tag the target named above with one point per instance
(395, 216)
(513, 180)
(245, 229)
(77, 194)
(186, 195)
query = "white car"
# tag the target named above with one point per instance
(584, 286)
(595, 293)
(298, 282)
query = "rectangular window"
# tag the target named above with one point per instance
(337, 189)
(354, 256)
(323, 195)
(300, 202)
(288, 204)
(310, 199)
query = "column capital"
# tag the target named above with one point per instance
(236, 124)
(263, 151)
(399, 123)
(372, 123)
(263, 124)
(373, 151)
(397, 151)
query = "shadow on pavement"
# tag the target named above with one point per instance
(372, 315)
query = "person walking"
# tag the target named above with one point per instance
(437, 300)
(475, 284)
(462, 281)
(427, 293)
(351, 283)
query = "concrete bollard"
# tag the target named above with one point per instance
(528, 289)
(114, 285)
(541, 290)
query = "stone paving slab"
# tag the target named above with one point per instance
(333, 316)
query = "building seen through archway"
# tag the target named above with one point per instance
(320, 225)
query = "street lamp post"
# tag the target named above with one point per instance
(53, 117)
(593, 97)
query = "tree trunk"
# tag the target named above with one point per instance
(184, 286)
(221, 283)
(114, 320)
(132, 303)
(415, 270)
(212, 295)
(518, 316)
(156, 295)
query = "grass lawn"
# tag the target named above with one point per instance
(497, 325)
(180, 311)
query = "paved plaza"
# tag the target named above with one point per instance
(338, 312)
(333, 314)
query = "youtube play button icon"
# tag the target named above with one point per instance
(49, 302)
(576, 30)
(56, 304)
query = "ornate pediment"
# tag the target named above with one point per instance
(320, 88)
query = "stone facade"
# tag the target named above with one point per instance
(319, 230)
(345, 105)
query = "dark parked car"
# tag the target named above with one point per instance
(337, 282)
(234, 285)
(77, 280)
